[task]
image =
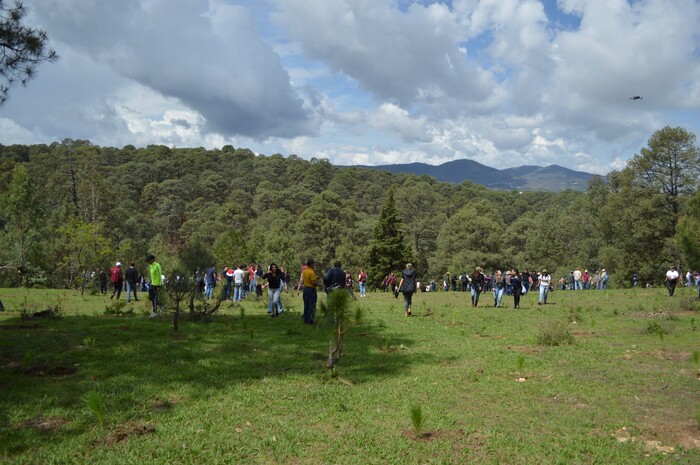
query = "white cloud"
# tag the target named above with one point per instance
(503, 82)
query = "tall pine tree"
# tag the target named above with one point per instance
(389, 250)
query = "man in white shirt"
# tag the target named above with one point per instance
(578, 284)
(671, 280)
(238, 280)
(544, 279)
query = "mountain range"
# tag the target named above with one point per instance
(552, 178)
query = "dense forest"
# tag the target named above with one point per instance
(74, 206)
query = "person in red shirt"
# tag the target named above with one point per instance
(117, 277)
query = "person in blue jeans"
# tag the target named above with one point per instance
(499, 287)
(275, 280)
(544, 280)
(478, 281)
(210, 278)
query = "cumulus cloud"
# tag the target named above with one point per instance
(208, 55)
(503, 82)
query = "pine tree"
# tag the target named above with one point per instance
(389, 250)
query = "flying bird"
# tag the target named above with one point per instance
(636, 97)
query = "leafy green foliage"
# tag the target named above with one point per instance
(389, 250)
(192, 207)
(22, 48)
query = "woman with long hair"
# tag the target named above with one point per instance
(499, 287)
(275, 278)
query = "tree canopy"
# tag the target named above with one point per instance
(192, 205)
(22, 48)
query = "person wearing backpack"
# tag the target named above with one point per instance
(117, 277)
(362, 279)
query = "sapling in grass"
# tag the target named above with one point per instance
(417, 420)
(94, 402)
(521, 362)
(696, 357)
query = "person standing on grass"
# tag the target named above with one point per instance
(478, 281)
(407, 286)
(117, 277)
(362, 279)
(210, 278)
(308, 279)
(516, 282)
(238, 283)
(334, 278)
(156, 283)
(545, 280)
(131, 276)
(499, 287)
(671, 280)
(275, 280)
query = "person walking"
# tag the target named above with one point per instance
(308, 278)
(156, 283)
(516, 282)
(478, 281)
(499, 287)
(407, 286)
(117, 277)
(275, 280)
(131, 277)
(671, 280)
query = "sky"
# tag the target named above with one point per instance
(502, 82)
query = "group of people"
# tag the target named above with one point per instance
(243, 280)
(133, 281)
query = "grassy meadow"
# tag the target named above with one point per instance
(451, 384)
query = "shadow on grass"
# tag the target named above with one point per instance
(50, 366)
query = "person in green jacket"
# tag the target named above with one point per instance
(156, 282)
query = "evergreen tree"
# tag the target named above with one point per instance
(389, 250)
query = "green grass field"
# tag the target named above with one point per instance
(451, 384)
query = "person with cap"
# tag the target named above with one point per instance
(478, 280)
(544, 280)
(671, 280)
(156, 282)
(603, 284)
(117, 277)
(407, 286)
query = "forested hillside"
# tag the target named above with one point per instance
(74, 206)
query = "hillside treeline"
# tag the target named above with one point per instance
(73, 206)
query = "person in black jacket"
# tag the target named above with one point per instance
(407, 286)
(275, 279)
(516, 281)
(478, 281)
(334, 278)
(131, 277)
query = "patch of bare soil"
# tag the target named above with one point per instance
(47, 424)
(127, 431)
(668, 355)
(525, 349)
(662, 437)
(57, 371)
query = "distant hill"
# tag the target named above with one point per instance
(552, 178)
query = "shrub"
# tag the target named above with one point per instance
(117, 308)
(554, 333)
